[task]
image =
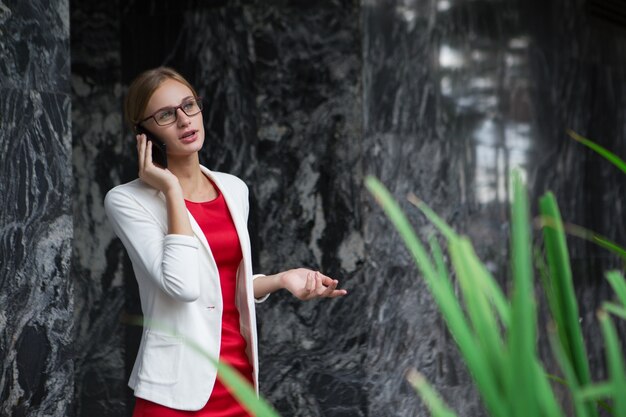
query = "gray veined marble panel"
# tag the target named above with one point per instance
(34, 45)
(307, 206)
(406, 148)
(102, 157)
(36, 378)
(456, 94)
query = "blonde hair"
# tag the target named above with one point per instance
(142, 88)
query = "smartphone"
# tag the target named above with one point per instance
(159, 151)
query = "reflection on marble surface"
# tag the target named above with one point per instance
(457, 94)
(36, 377)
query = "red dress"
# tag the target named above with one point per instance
(215, 221)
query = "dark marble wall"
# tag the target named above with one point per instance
(456, 94)
(440, 98)
(37, 373)
(100, 160)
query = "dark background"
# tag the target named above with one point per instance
(303, 99)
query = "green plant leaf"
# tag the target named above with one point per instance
(609, 245)
(239, 386)
(588, 235)
(615, 309)
(545, 394)
(597, 391)
(481, 275)
(605, 153)
(445, 297)
(434, 403)
(478, 306)
(522, 332)
(439, 223)
(573, 383)
(618, 284)
(437, 254)
(562, 298)
(614, 363)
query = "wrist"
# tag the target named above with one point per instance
(267, 284)
(280, 281)
(173, 190)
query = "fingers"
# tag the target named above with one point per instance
(144, 154)
(148, 160)
(141, 151)
(330, 288)
(338, 293)
(332, 292)
(309, 284)
(324, 286)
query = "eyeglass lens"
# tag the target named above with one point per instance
(167, 116)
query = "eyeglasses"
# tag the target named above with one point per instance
(169, 115)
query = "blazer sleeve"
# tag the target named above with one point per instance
(246, 205)
(169, 261)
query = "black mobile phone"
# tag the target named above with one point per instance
(159, 151)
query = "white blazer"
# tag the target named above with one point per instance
(180, 293)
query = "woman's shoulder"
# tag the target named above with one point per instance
(135, 191)
(129, 188)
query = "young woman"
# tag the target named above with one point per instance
(185, 231)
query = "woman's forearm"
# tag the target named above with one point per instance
(267, 284)
(177, 216)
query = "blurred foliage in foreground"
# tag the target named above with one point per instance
(497, 334)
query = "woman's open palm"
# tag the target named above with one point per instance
(306, 284)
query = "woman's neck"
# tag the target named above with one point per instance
(190, 176)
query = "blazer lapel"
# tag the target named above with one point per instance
(234, 207)
(199, 233)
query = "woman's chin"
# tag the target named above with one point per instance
(186, 150)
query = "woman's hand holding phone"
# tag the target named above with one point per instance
(165, 181)
(159, 150)
(159, 178)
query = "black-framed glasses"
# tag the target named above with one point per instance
(169, 115)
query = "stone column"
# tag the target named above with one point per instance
(37, 375)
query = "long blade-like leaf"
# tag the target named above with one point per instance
(443, 227)
(597, 391)
(618, 284)
(614, 363)
(440, 263)
(608, 155)
(615, 309)
(562, 299)
(571, 378)
(588, 235)
(547, 399)
(481, 276)
(521, 344)
(444, 296)
(240, 387)
(478, 306)
(428, 394)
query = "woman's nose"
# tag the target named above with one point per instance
(183, 119)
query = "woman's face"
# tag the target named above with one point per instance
(186, 134)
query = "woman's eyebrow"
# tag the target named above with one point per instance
(171, 107)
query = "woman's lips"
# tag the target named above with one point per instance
(190, 137)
